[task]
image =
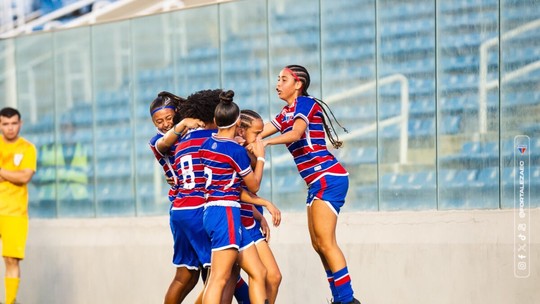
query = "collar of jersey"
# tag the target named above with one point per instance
(214, 136)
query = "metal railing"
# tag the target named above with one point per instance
(484, 85)
(402, 119)
(43, 20)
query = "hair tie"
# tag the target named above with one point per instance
(161, 108)
(292, 73)
(226, 127)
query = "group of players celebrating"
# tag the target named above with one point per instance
(213, 155)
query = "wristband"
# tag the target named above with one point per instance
(261, 159)
(176, 133)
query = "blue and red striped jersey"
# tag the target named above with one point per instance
(246, 212)
(166, 161)
(190, 170)
(225, 163)
(312, 158)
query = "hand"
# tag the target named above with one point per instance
(256, 148)
(170, 180)
(276, 214)
(240, 140)
(192, 123)
(265, 229)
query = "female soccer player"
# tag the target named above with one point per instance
(226, 165)
(303, 122)
(251, 126)
(163, 112)
(192, 244)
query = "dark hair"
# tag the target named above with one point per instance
(301, 74)
(226, 111)
(247, 117)
(10, 112)
(201, 105)
(167, 99)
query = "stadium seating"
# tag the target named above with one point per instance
(438, 53)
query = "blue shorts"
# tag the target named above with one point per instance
(332, 189)
(256, 233)
(192, 247)
(223, 226)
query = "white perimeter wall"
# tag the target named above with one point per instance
(428, 257)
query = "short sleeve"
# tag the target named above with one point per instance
(277, 121)
(304, 108)
(243, 162)
(29, 160)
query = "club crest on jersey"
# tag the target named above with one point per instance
(288, 117)
(17, 158)
(522, 149)
(214, 146)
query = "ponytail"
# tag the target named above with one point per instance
(301, 74)
(227, 112)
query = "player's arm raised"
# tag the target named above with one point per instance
(167, 141)
(268, 129)
(298, 129)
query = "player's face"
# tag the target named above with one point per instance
(287, 87)
(254, 131)
(163, 119)
(10, 127)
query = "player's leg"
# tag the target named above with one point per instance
(236, 287)
(222, 263)
(186, 261)
(183, 282)
(273, 274)
(315, 244)
(241, 291)
(324, 221)
(12, 278)
(249, 261)
(14, 234)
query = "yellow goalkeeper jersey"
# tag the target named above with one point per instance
(18, 155)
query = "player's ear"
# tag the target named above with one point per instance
(240, 131)
(298, 85)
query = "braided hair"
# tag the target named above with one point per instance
(301, 74)
(227, 112)
(247, 117)
(167, 100)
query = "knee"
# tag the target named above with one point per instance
(185, 276)
(274, 278)
(260, 273)
(11, 262)
(324, 246)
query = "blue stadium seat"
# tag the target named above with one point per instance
(359, 155)
(450, 124)
(473, 155)
(488, 177)
(422, 107)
